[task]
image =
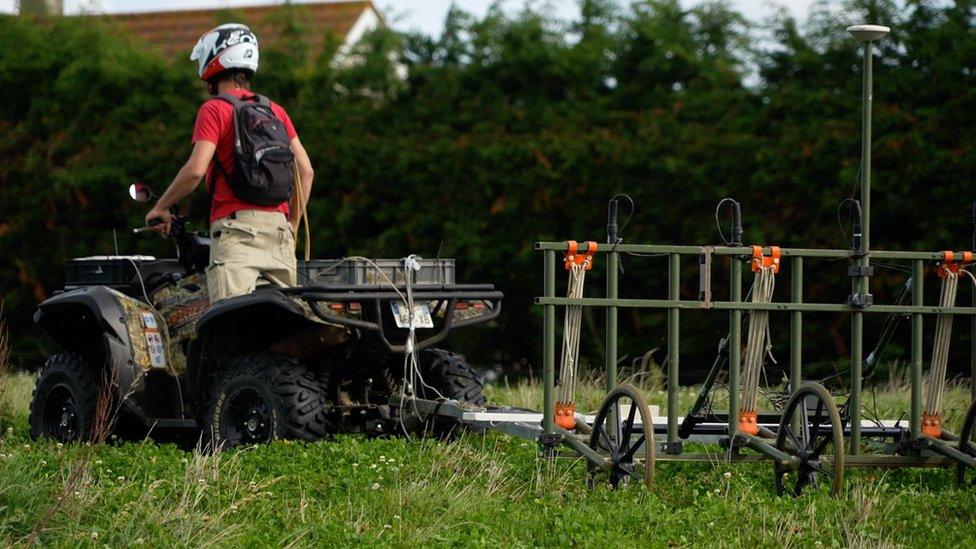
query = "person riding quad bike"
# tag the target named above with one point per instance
(197, 345)
(250, 153)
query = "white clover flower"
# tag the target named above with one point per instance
(94, 535)
(98, 462)
(120, 478)
(376, 486)
(728, 475)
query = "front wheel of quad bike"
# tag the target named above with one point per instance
(259, 397)
(65, 399)
(443, 376)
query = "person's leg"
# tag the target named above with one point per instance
(284, 254)
(234, 259)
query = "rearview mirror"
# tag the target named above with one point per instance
(140, 192)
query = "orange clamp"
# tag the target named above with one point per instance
(760, 261)
(932, 425)
(950, 264)
(749, 422)
(566, 415)
(573, 257)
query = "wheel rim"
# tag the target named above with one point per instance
(61, 415)
(631, 448)
(965, 475)
(810, 429)
(247, 418)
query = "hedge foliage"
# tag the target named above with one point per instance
(513, 129)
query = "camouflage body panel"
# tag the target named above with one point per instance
(146, 333)
(181, 306)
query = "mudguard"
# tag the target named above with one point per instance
(103, 322)
(238, 325)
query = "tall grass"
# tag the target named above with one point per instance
(477, 490)
(5, 414)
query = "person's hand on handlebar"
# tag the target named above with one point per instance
(164, 220)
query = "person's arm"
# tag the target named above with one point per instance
(305, 175)
(183, 184)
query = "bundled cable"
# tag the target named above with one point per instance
(577, 264)
(758, 341)
(949, 272)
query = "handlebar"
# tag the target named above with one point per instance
(152, 223)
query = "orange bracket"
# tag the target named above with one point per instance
(932, 425)
(566, 415)
(760, 261)
(951, 264)
(749, 422)
(574, 258)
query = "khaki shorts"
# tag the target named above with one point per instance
(247, 247)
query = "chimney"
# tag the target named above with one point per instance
(41, 7)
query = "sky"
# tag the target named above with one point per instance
(423, 15)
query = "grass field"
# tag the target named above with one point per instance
(477, 491)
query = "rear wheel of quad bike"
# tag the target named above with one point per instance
(444, 375)
(965, 475)
(65, 399)
(820, 433)
(260, 397)
(630, 448)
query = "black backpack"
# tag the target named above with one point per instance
(263, 173)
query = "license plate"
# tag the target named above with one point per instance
(421, 315)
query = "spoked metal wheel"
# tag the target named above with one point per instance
(965, 475)
(810, 429)
(623, 428)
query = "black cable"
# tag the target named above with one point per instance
(612, 231)
(630, 214)
(736, 221)
(840, 225)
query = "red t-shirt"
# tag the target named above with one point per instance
(215, 123)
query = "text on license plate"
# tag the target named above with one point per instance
(421, 316)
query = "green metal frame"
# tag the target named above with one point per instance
(859, 304)
(795, 308)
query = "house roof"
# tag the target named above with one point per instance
(175, 32)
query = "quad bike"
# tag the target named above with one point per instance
(141, 344)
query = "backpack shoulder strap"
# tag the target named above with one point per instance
(263, 100)
(228, 98)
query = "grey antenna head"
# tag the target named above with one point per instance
(868, 33)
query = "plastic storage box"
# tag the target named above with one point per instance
(102, 270)
(380, 271)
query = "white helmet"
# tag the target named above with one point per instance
(229, 46)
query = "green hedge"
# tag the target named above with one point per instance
(510, 130)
